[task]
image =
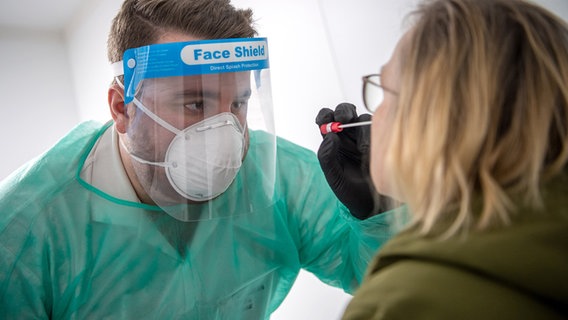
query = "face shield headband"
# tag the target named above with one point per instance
(190, 58)
(204, 166)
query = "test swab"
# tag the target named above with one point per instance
(338, 126)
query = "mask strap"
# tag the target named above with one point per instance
(155, 118)
(159, 164)
(150, 114)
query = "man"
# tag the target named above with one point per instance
(185, 205)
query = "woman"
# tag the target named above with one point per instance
(472, 134)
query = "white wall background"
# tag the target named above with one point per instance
(52, 79)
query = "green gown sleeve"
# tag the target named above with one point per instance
(332, 244)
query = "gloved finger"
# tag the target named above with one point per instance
(365, 117)
(364, 134)
(325, 115)
(364, 143)
(328, 156)
(345, 113)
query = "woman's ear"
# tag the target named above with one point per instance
(117, 107)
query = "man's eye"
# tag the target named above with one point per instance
(194, 106)
(239, 104)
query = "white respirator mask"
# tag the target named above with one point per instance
(202, 160)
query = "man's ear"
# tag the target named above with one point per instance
(117, 107)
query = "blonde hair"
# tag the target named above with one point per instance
(142, 22)
(482, 116)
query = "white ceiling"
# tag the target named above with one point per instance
(38, 14)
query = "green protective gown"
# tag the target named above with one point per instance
(70, 251)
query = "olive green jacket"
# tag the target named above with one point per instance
(517, 272)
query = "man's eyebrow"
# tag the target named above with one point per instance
(245, 94)
(209, 94)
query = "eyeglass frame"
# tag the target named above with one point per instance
(366, 81)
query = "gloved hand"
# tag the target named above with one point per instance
(344, 159)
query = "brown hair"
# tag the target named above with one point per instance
(142, 22)
(482, 112)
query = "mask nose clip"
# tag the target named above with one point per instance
(214, 126)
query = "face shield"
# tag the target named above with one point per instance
(201, 135)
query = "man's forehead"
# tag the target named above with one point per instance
(236, 77)
(240, 80)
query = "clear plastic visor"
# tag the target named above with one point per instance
(202, 146)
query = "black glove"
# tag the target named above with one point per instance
(344, 159)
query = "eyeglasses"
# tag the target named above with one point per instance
(373, 92)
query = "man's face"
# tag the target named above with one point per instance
(184, 101)
(181, 102)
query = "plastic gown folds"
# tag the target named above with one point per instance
(73, 247)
